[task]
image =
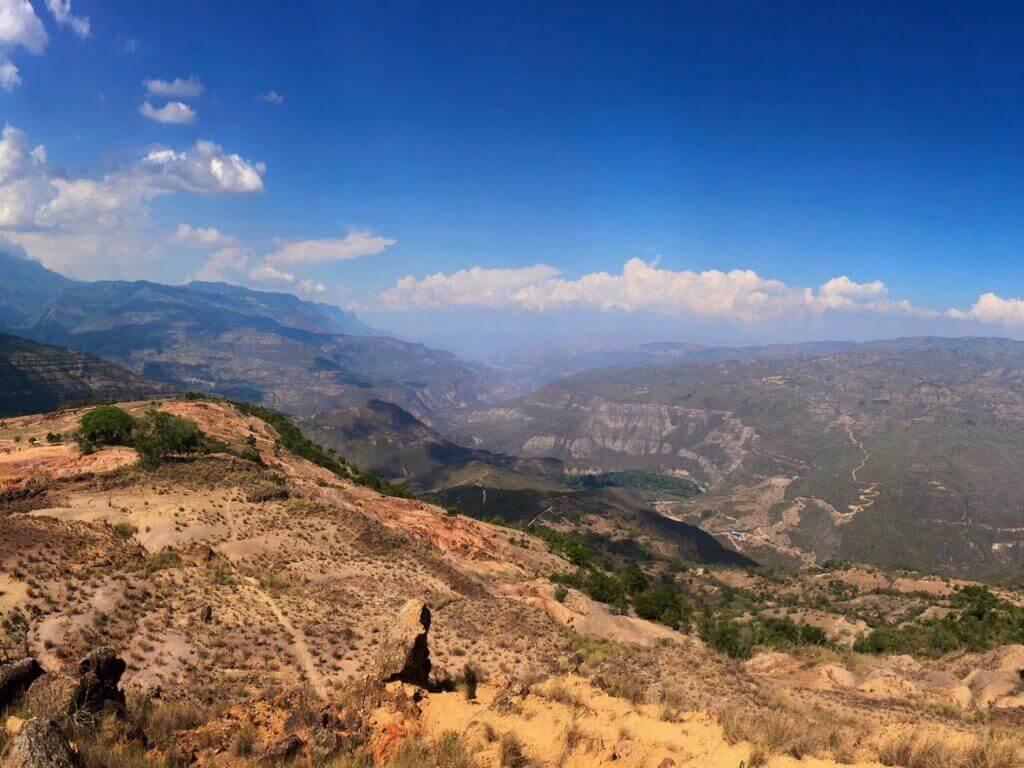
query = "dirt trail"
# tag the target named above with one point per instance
(869, 491)
(299, 649)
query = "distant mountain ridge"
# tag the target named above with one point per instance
(39, 377)
(903, 452)
(613, 511)
(272, 348)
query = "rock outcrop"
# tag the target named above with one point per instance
(15, 678)
(39, 744)
(94, 686)
(404, 654)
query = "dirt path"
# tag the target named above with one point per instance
(869, 492)
(298, 647)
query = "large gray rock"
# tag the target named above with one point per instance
(404, 654)
(15, 678)
(39, 744)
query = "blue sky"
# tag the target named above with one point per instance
(535, 146)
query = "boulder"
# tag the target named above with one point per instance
(39, 744)
(281, 752)
(15, 678)
(887, 684)
(94, 687)
(903, 664)
(944, 687)
(322, 744)
(987, 685)
(54, 696)
(1008, 657)
(404, 654)
(828, 677)
(771, 664)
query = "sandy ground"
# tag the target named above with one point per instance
(567, 722)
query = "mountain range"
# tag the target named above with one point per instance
(901, 452)
(39, 377)
(270, 348)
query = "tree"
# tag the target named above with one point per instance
(663, 604)
(163, 434)
(106, 425)
(633, 579)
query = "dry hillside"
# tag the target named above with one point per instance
(253, 594)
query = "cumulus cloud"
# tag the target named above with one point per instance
(204, 169)
(355, 244)
(61, 10)
(98, 226)
(738, 295)
(226, 265)
(474, 287)
(203, 237)
(10, 78)
(19, 26)
(272, 97)
(270, 275)
(173, 113)
(180, 88)
(990, 308)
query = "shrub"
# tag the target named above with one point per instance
(469, 681)
(605, 589)
(163, 434)
(663, 604)
(510, 752)
(634, 579)
(561, 593)
(106, 425)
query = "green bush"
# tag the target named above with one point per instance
(605, 589)
(634, 579)
(162, 434)
(106, 425)
(980, 621)
(663, 604)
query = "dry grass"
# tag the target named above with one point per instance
(510, 752)
(787, 733)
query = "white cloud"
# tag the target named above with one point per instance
(205, 237)
(476, 287)
(61, 10)
(84, 204)
(227, 265)
(355, 244)
(19, 26)
(739, 295)
(99, 227)
(204, 169)
(181, 88)
(990, 308)
(272, 97)
(10, 78)
(173, 112)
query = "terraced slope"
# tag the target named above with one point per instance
(39, 377)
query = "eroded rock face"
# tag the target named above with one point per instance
(100, 674)
(404, 654)
(15, 678)
(94, 687)
(53, 696)
(39, 744)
